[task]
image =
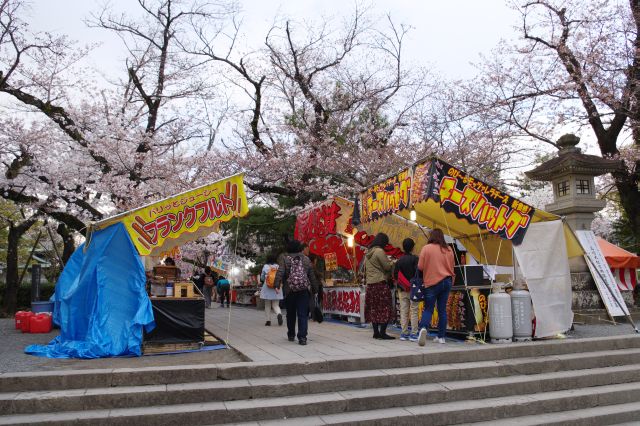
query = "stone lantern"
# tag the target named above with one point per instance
(572, 175)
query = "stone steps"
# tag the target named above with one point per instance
(100, 378)
(589, 406)
(603, 415)
(533, 383)
(228, 390)
(461, 393)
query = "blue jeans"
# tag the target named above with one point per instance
(439, 294)
(297, 303)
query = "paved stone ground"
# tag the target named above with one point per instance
(249, 336)
(13, 358)
(330, 340)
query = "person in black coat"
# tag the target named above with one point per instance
(407, 266)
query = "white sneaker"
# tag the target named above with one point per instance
(422, 337)
(439, 340)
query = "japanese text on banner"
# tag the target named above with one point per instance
(151, 226)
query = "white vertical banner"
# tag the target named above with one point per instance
(542, 257)
(606, 284)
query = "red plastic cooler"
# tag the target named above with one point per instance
(40, 323)
(20, 315)
(25, 325)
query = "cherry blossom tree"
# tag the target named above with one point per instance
(575, 68)
(76, 151)
(330, 107)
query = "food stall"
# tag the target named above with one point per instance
(327, 229)
(104, 301)
(496, 229)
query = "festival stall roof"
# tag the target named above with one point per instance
(100, 300)
(487, 221)
(162, 225)
(491, 224)
(617, 257)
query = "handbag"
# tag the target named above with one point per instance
(317, 314)
(403, 282)
(416, 292)
(315, 310)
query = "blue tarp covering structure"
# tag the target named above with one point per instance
(101, 304)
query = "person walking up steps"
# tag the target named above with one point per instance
(436, 263)
(271, 295)
(377, 269)
(296, 278)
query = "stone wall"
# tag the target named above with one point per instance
(586, 296)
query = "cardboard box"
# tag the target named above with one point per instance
(183, 289)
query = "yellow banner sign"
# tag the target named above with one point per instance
(185, 216)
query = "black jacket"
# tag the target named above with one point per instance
(408, 264)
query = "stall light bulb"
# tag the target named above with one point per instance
(350, 241)
(413, 216)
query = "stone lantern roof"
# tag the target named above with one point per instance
(571, 160)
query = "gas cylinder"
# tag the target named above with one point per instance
(521, 311)
(500, 322)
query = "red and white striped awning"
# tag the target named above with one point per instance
(625, 277)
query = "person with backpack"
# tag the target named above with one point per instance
(271, 295)
(296, 278)
(404, 270)
(223, 286)
(377, 270)
(205, 282)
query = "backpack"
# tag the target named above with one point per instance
(270, 279)
(298, 279)
(417, 287)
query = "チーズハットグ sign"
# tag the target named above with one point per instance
(480, 203)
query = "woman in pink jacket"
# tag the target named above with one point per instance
(436, 264)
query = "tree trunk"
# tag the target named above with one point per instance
(69, 245)
(10, 301)
(627, 186)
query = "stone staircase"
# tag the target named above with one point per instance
(569, 382)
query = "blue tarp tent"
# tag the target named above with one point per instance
(100, 300)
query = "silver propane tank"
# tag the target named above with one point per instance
(500, 322)
(521, 310)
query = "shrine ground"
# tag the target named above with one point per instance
(251, 340)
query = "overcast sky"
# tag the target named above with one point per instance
(446, 35)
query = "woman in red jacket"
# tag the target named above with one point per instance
(436, 263)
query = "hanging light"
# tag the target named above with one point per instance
(413, 215)
(350, 241)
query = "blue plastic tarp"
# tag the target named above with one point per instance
(100, 301)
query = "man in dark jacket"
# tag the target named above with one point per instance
(296, 278)
(205, 282)
(407, 265)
